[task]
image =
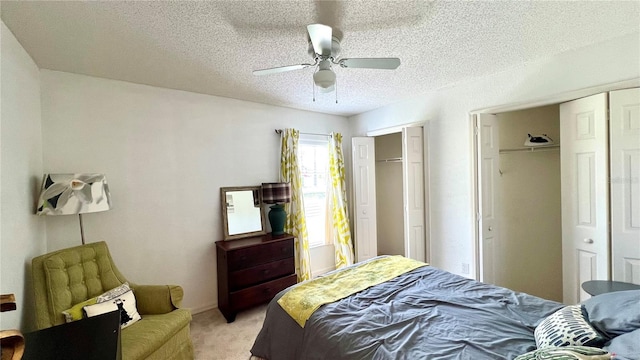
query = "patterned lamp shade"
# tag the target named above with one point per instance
(276, 193)
(70, 194)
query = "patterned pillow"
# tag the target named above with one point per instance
(125, 303)
(113, 293)
(566, 353)
(567, 327)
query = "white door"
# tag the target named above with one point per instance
(364, 190)
(585, 195)
(489, 197)
(624, 154)
(413, 193)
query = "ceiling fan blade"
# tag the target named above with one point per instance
(280, 69)
(371, 63)
(320, 36)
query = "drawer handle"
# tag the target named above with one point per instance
(284, 250)
(243, 258)
(266, 272)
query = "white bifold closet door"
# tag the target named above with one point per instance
(625, 184)
(584, 159)
(600, 160)
(364, 189)
(413, 193)
(489, 197)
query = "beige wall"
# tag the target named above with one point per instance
(22, 233)
(529, 253)
(389, 203)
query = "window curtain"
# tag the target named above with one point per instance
(338, 193)
(296, 224)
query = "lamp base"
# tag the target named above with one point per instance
(277, 218)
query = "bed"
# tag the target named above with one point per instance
(425, 313)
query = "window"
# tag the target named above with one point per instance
(313, 155)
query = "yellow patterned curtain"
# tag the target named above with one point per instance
(338, 197)
(296, 224)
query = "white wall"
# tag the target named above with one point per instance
(165, 153)
(529, 250)
(448, 135)
(22, 234)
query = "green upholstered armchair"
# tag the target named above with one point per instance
(67, 277)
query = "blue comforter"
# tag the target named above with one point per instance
(424, 314)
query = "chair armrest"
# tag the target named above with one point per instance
(157, 299)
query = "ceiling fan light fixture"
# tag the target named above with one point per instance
(327, 90)
(325, 79)
(324, 48)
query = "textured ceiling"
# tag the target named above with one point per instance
(211, 47)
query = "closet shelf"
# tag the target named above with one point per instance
(531, 149)
(398, 159)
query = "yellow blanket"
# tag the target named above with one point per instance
(301, 301)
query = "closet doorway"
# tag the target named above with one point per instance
(521, 193)
(599, 199)
(389, 194)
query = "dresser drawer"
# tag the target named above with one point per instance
(257, 255)
(255, 275)
(260, 294)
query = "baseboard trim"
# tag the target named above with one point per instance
(202, 309)
(319, 272)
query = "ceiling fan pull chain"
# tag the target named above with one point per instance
(313, 85)
(336, 91)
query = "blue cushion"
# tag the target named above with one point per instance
(625, 346)
(614, 313)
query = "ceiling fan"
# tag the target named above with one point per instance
(325, 49)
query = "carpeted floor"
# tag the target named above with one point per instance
(214, 339)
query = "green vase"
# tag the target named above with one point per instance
(277, 217)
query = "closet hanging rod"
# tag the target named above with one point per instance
(530, 149)
(390, 160)
(279, 131)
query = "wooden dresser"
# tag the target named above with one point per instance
(252, 271)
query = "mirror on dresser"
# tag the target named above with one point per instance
(242, 214)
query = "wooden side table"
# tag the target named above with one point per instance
(597, 287)
(11, 341)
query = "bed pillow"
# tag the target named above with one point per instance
(625, 346)
(125, 303)
(564, 353)
(614, 313)
(567, 327)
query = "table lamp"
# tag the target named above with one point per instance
(277, 194)
(70, 194)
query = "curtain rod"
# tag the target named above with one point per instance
(279, 131)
